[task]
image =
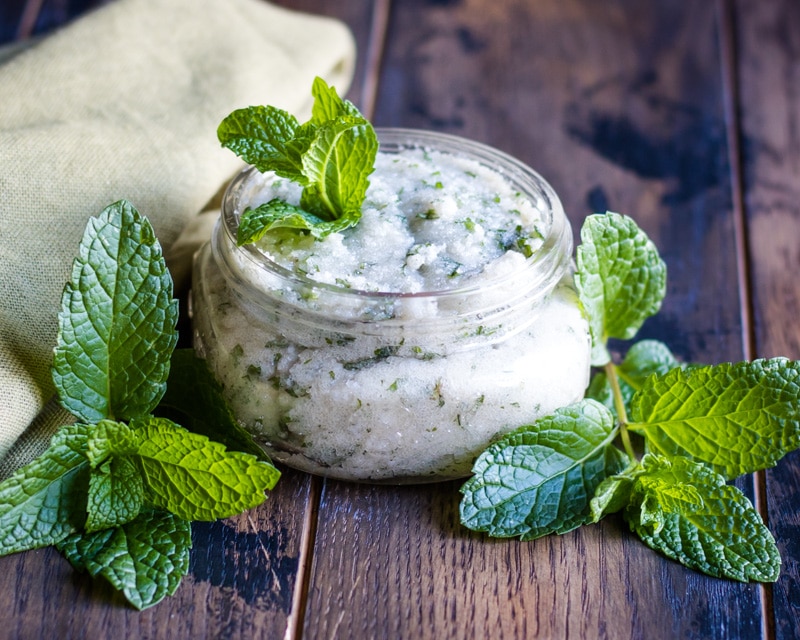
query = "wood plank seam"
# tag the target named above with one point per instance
(295, 623)
(727, 21)
(374, 54)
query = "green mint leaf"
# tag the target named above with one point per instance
(620, 277)
(194, 400)
(145, 559)
(643, 359)
(539, 479)
(116, 494)
(107, 438)
(688, 513)
(328, 105)
(117, 323)
(44, 501)
(116, 486)
(277, 214)
(735, 418)
(264, 137)
(337, 165)
(614, 493)
(195, 478)
(331, 156)
(303, 137)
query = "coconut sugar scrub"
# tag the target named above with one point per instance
(398, 349)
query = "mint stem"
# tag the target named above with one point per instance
(619, 405)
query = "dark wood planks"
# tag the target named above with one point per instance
(245, 578)
(619, 104)
(768, 48)
(242, 583)
(366, 19)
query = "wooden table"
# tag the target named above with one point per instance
(684, 114)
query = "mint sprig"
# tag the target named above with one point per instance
(621, 279)
(145, 558)
(42, 502)
(643, 359)
(117, 323)
(687, 512)
(116, 492)
(518, 486)
(331, 156)
(734, 418)
(700, 426)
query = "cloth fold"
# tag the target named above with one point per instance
(124, 103)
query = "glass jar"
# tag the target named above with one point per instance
(381, 386)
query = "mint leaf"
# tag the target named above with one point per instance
(620, 277)
(116, 494)
(614, 493)
(539, 479)
(328, 105)
(277, 214)
(145, 558)
(195, 478)
(688, 513)
(116, 487)
(339, 158)
(736, 418)
(337, 165)
(642, 360)
(331, 156)
(117, 323)
(262, 136)
(194, 400)
(108, 438)
(44, 501)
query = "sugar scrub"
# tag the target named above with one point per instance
(397, 350)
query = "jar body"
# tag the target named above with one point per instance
(381, 387)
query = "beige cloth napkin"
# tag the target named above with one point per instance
(124, 103)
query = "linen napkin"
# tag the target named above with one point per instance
(124, 103)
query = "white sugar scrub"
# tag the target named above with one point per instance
(431, 221)
(398, 349)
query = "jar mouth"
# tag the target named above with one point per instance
(542, 270)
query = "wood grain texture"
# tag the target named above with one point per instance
(244, 572)
(365, 19)
(241, 583)
(768, 54)
(395, 563)
(619, 105)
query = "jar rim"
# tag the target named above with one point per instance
(544, 268)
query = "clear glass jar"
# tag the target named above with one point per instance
(377, 386)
